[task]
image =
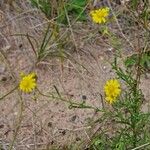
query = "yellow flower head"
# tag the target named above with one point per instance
(100, 15)
(112, 90)
(28, 82)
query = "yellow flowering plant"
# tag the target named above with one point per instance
(125, 115)
(28, 83)
(100, 15)
(112, 90)
(126, 104)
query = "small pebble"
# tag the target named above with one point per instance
(52, 142)
(104, 67)
(73, 118)
(3, 78)
(20, 45)
(1, 126)
(78, 139)
(110, 49)
(63, 132)
(49, 124)
(84, 97)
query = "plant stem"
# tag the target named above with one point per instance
(72, 103)
(139, 147)
(8, 93)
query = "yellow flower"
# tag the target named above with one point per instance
(28, 82)
(100, 15)
(112, 90)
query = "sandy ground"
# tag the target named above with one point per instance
(47, 122)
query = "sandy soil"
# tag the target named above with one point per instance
(47, 122)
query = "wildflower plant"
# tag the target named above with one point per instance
(100, 15)
(28, 83)
(112, 90)
(125, 115)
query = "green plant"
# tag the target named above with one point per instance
(130, 124)
(74, 8)
(129, 121)
(131, 61)
(43, 5)
(50, 46)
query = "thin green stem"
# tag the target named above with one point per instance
(72, 103)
